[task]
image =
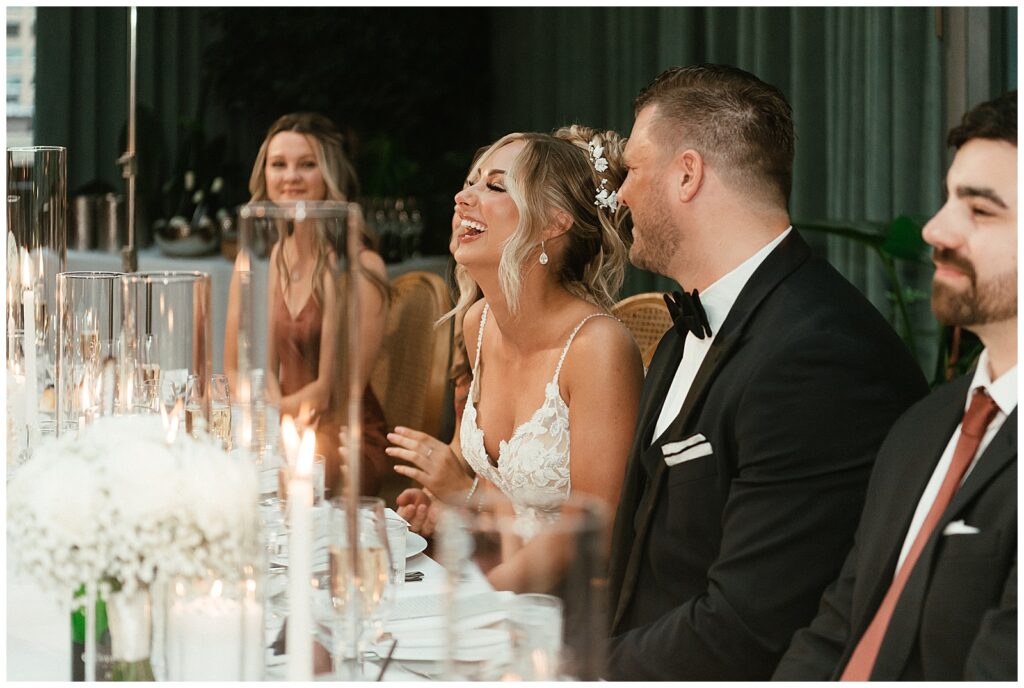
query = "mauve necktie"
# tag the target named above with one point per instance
(979, 414)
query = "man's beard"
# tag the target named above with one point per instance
(994, 300)
(659, 243)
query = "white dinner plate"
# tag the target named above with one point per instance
(414, 544)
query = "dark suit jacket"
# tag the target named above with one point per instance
(957, 617)
(717, 561)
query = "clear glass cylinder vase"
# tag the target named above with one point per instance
(167, 335)
(130, 617)
(37, 245)
(553, 606)
(214, 629)
(90, 371)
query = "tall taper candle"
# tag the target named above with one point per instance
(28, 300)
(300, 563)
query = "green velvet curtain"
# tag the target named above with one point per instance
(82, 87)
(867, 87)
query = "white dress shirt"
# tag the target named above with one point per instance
(717, 301)
(1004, 392)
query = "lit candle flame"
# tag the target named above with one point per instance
(304, 467)
(290, 438)
(26, 270)
(84, 397)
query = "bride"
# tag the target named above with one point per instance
(543, 238)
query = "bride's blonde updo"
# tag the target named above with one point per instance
(557, 173)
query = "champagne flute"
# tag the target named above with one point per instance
(194, 421)
(366, 589)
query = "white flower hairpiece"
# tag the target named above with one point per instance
(604, 198)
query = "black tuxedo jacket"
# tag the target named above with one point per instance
(957, 617)
(718, 560)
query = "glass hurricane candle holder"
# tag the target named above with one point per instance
(214, 629)
(89, 370)
(36, 245)
(555, 634)
(167, 332)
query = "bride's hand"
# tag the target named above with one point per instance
(416, 507)
(434, 465)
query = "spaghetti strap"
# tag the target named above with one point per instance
(572, 336)
(480, 338)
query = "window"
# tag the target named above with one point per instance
(14, 57)
(13, 29)
(13, 89)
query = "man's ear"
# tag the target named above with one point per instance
(689, 168)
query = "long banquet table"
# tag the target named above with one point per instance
(39, 629)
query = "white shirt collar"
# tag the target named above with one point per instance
(718, 298)
(1003, 389)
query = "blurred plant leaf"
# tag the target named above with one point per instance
(903, 240)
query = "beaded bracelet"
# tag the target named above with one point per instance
(472, 490)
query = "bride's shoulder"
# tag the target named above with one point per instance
(603, 343)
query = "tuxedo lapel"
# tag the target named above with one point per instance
(787, 257)
(903, 629)
(917, 456)
(659, 378)
(656, 383)
(1001, 451)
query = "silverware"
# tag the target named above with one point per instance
(387, 660)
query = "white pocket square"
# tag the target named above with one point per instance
(676, 447)
(959, 528)
(693, 450)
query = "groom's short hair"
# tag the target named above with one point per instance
(738, 123)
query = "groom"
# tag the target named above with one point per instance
(762, 409)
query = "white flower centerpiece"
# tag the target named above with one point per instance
(118, 503)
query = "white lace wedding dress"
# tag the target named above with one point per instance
(533, 465)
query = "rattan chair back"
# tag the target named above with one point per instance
(411, 374)
(647, 318)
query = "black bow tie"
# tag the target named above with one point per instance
(687, 314)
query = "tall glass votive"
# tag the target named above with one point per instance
(89, 370)
(167, 332)
(214, 630)
(15, 389)
(554, 629)
(37, 241)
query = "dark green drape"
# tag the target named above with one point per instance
(870, 89)
(82, 87)
(866, 85)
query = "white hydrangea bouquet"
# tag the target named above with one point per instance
(117, 504)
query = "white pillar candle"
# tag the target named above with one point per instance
(300, 563)
(207, 639)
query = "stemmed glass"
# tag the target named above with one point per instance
(220, 409)
(362, 593)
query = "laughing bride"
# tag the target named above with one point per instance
(556, 379)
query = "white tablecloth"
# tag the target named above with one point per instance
(220, 270)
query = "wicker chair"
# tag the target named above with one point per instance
(648, 320)
(411, 374)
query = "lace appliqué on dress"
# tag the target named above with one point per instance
(533, 465)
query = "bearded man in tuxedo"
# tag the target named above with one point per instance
(929, 591)
(763, 407)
